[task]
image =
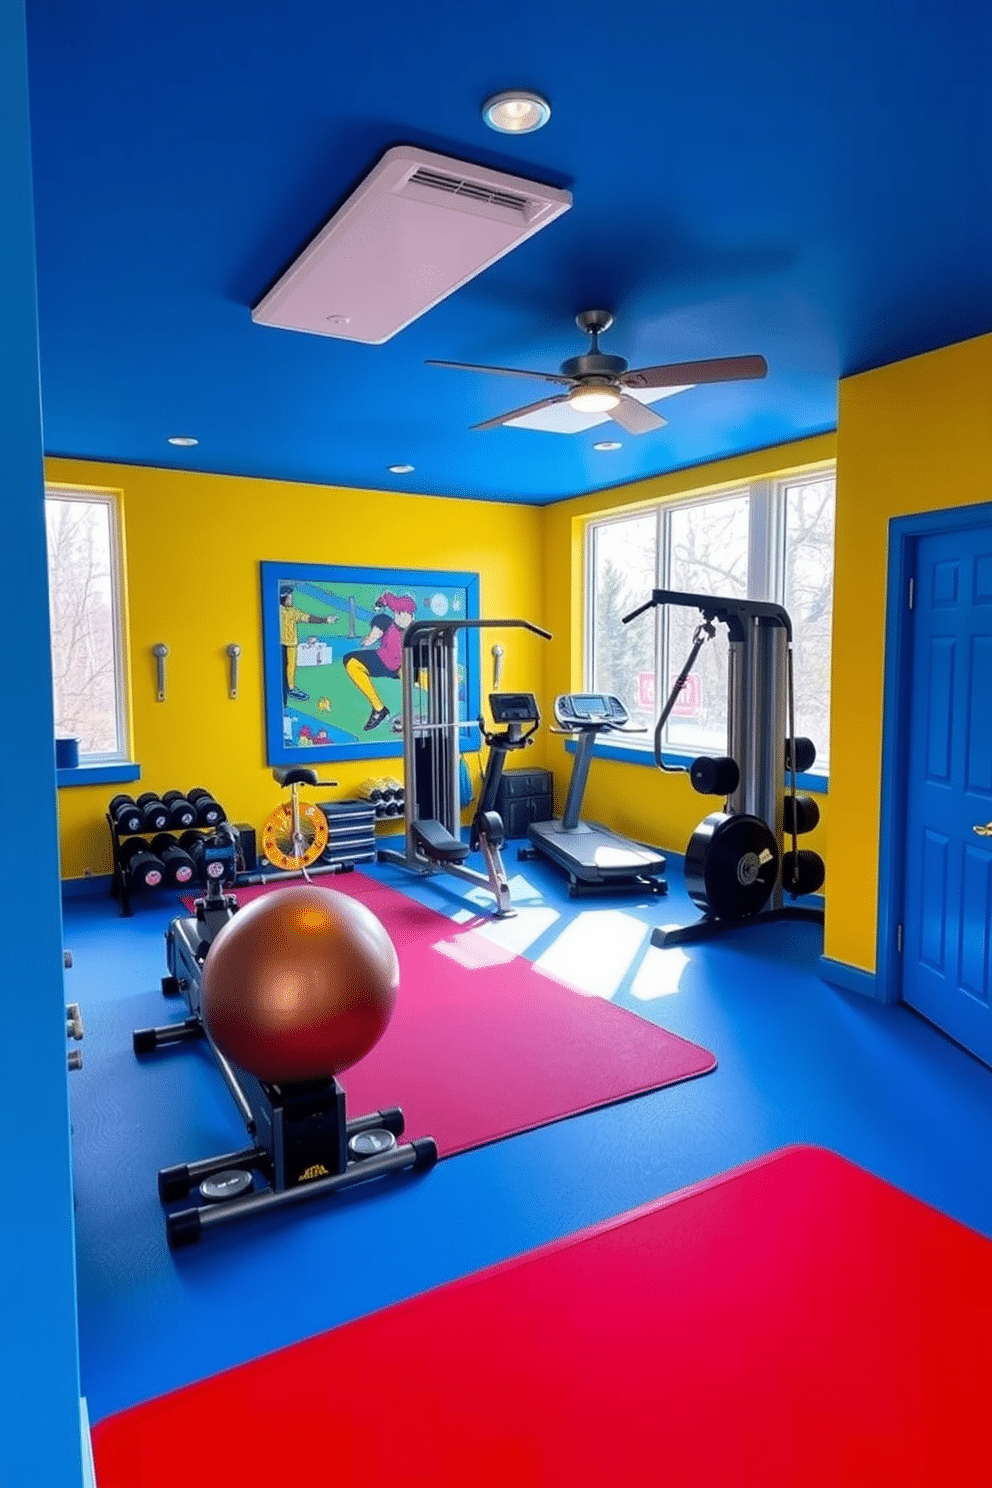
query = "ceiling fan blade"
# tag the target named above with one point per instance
(505, 418)
(688, 374)
(508, 371)
(636, 417)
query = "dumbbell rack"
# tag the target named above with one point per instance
(119, 886)
(118, 881)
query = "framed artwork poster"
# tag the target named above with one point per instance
(332, 645)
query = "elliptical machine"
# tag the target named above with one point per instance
(597, 860)
(734, 869)
(432, 759)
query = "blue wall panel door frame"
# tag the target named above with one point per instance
(905, 534)
(40, 1436)
(948, 905)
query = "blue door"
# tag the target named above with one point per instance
(947, 914)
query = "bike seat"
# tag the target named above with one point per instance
(296, 775)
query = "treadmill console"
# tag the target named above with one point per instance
(590, 710)
(513, 707)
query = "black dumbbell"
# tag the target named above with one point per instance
(192, 843)
(124, 813)
(208, 811)
(179, 866)
(143, 869)
(719, 776)
(181, 813)
(154, 814)
(805, 754)
(802, 872)
(803, 810)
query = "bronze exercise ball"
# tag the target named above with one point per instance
(299, 984)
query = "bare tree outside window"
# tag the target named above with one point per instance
(84, 622)
(708, 556)
(623, 662)
(809, 576)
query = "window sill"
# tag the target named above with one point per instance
(817, 785)
(118, 773)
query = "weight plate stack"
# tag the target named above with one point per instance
(731, 865)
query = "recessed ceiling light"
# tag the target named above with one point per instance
(400, 469)
(516, 112)
(607, 444)
(593, 398)
(183, 440)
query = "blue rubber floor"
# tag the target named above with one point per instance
(799, 1061)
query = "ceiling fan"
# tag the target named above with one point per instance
(600, 384)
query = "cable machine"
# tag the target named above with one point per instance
(735, 870)
(432, 724)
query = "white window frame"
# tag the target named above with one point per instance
(110, 499)
(766, 573)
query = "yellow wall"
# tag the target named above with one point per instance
(640, 802)
(912, 437)
(193, 545)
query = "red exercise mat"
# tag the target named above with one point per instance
(482, 1046)
(797, 1322)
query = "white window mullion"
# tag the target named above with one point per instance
(766, 538)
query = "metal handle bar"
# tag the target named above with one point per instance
(734, 613)
(427, 627)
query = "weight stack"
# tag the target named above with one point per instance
(352, 832)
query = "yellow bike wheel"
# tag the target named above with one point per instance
(277, 837)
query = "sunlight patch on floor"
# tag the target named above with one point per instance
(593, 954)
(659, 973)
(494, 942)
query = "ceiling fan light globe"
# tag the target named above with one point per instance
(593, 399)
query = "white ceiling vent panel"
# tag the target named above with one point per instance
(419, 226)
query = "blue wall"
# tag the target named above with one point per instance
(39, 1371)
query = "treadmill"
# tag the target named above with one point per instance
(596, 860)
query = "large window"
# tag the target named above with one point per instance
(86, 621)
(772, 540)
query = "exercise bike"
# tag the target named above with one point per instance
(432, 760)
(304, 1145)
(596, 859)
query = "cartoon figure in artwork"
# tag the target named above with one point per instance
(381, 652)
(290, 617)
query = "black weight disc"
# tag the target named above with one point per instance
(714, 776)
(805, 754)
(803, 872)
(801, 809)
(731, 865)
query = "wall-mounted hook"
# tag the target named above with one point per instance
(160, 651)
(497, 665)
(233, 652)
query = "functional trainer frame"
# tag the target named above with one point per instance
(760, 738)
(432, 761)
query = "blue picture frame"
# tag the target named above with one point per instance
(331, 642)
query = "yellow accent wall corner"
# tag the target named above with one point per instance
(193, 547)
(914, 436)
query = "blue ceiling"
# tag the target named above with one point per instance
(810, 183)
